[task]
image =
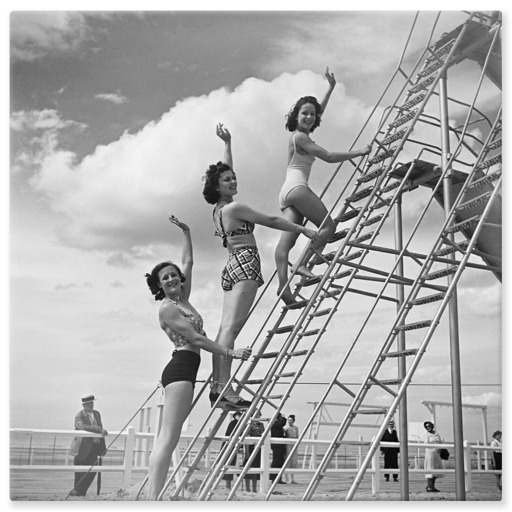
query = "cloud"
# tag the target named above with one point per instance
(118, 198)
(116, 98)
(490, 399)
(35, 35)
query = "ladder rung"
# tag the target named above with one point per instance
(372, 220)
(451, 249)
(285, 375)
(463, 225)
(403, 119)
(268, 355)
(381, 204)
(351, 214)
(312, 332)
(326, 258)
(414, 101)
(341, 275)
(365, 178)
(390, 187)
(385, 382)
(351, 257)
(253, 381)
(274, 397)
(298, 305)
(311, 281)
(414, 325)
(339, 235)
(382, 156)
(472, 203)
(427, 299)
(491, 161)
(281, 330)
(440, 273)
(400, 353)
(370, 411)
(363, 425)
(365, 192)
(494, 145)
(392, 138)
(363, 238)
(331, 294)
(322, 312)
(489, 178)
(422, 85)
(430, 69)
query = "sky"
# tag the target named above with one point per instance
(112, 124)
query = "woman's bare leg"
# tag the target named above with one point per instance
(236, 307)
(178, 399)
(308, 204)
(282, 254)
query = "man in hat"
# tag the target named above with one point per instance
(390, 453)
(87, 450)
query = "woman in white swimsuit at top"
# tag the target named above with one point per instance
(296, 199)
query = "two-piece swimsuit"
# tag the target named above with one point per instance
(244, 262)
(184, 364)
(297, 175)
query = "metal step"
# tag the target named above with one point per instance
(392, 138)
(365, 178)
(489, 162)
(351, 214)
(298, 305)
(422, 85)
(473, 203)
(414, 326)
(321, 312)
(468, 223)
(372, 220)
(414, 101)
(381, 204)
(403, 119)
(400, 353)
(382, 156)
(440, 273)
(427, 299)
(462, 246)
(486, 180)
(339, 235)
(360, 194)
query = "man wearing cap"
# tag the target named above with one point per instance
(390, 453)
(87, 450)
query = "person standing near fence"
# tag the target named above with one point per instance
(496, 456)
(87, 450)
(390, 453)
(291, 431)
(432, 458)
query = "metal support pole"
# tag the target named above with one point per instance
(453, 305)
(402, 369)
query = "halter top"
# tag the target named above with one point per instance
(195, 320)
(246, 229)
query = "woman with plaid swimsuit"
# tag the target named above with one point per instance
(241, 276)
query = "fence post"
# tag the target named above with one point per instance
(128, 457)
(467, 465)
(376, 472)
(360, 453)
(265, 465)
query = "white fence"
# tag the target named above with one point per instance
(137, 447)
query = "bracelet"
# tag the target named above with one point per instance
(186, 229)
(226, 355)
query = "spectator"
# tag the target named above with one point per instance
(87, 451)
(291, 431)
(390, 454)
(432, 457)
(496, 456)
(278, 450)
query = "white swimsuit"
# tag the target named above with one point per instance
(297, 174)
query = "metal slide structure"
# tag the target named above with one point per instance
(406, 272)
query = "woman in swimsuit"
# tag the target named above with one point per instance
(184, 327)
(296, 199)
(241, 276)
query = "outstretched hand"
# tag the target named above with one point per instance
(223, 133)
(366, 150)
(330, 78)
(178, 223)
(242, 353)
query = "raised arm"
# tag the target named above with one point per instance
(223, 134)
(332, 85)
(187, 255)
(303, 141)
(173, 319)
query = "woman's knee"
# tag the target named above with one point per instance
(328, 228)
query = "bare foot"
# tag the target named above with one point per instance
(287, 296)
(304, 272)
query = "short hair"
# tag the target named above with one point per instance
(292, 116)
(153, 280)
(211, 181)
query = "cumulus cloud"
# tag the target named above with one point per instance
(490, 399)
(116, 98)
(118, 197)
(37, 34)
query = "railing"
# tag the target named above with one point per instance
(137, 446)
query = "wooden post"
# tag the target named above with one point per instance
(376, 472)
(128, 457)
(467, 465)
(265, 464)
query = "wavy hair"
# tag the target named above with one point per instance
(211, 181)
(153, 281)
(292, 116)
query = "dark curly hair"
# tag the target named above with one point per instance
(153, 280)
(211, 181)
(291, 117)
